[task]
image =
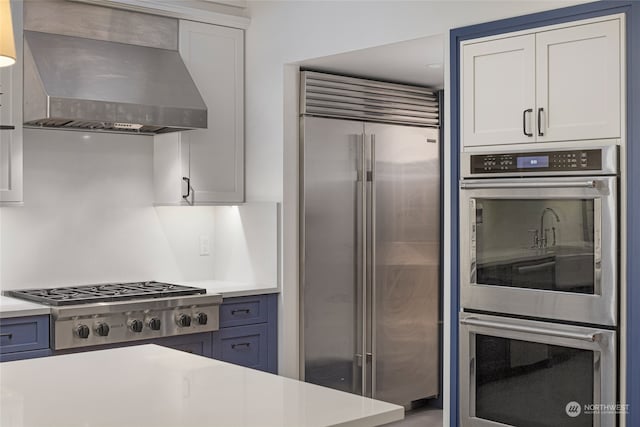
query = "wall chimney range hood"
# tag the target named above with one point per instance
(94, 85)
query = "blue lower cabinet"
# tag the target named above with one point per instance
(24, 337)
(243, 345)
(199, 344)
(248, 334)
(244, 311)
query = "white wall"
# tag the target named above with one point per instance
(88, 218)
(289, 32)
(283, 32)
(246, 244)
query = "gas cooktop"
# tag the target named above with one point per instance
(104, 293)
(94, 315)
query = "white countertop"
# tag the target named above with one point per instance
(153, 386)
(13, 307)
(231, 289)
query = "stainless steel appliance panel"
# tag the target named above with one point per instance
(404, 196)
(332, 253)
(530, 373)
(73, 82)
(594, 159)
(541, 247)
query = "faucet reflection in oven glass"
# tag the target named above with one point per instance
(543, 240)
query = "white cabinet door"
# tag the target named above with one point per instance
(215, 58)
(498, 91)
(11, 115)
(578, 76)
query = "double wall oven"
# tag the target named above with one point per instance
(539, 287)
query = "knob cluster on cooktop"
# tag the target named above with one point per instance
(136, 325)
(184, 320)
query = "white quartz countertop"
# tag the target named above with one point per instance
(231, 289)
(13, 307)
(153, 386)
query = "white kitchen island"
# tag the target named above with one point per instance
(153, 386)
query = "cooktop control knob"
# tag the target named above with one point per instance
(183, 320)
(154, 323)
(102, 329)
(82, 331)
(136, 325)
(202, 318)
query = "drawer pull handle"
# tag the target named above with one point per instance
(240, 345)
(240, 310)
(6, 335)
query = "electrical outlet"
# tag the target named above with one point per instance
(205, 247)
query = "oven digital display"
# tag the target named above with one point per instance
(533, 162)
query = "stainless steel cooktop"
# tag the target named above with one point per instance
(73, 295)
(112, 313)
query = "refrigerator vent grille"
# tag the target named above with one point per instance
(331, 95)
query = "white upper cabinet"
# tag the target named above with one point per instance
(498, 93)
(212, 159)
(562, 84)
(11, 116)
(578, 91)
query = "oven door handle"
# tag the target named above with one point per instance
(472, 321)
(529, 184)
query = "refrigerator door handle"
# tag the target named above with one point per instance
(364, 265)
(372, 266)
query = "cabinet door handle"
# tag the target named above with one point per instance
(524, 121)
(6, 335)
(7, 127)
(188, 181)
(540, 111)
(240, 345)
(240, 310)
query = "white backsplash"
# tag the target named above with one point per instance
(88, 218)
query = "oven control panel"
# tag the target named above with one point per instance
(551, 161)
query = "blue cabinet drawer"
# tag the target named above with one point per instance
(243, 345)
(195, 343)
(243, 311)
(24, 334)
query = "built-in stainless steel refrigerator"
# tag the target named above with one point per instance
(370, 237)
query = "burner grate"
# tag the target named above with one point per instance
(104, 293)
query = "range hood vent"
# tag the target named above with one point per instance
(95, 85)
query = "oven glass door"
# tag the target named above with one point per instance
(526, 241)
(535, 374)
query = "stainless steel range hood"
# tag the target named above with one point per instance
(95, 85)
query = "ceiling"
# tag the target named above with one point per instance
(412, 61)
